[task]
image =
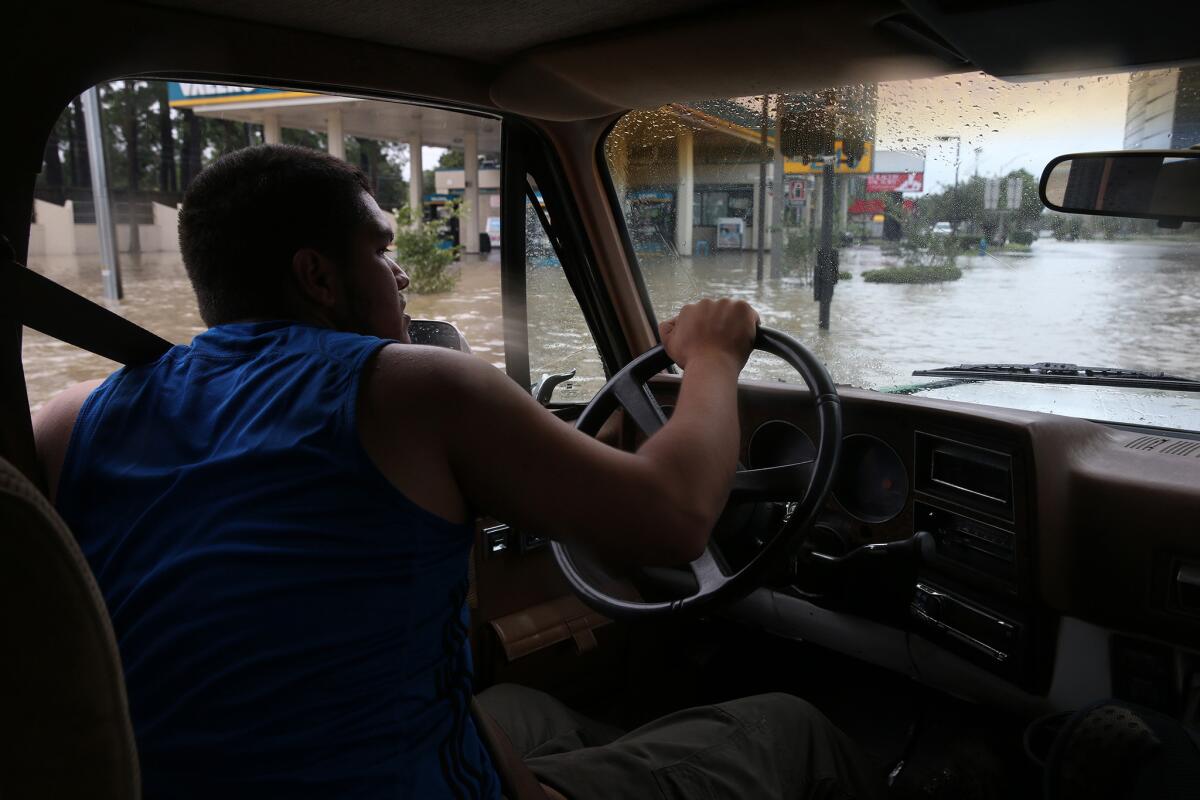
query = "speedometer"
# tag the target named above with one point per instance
(871, 482)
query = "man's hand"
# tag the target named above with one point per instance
(724, 328)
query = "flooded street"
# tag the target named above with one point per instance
(1132, 304)
(1095, 303)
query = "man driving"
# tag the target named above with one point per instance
(279, 516)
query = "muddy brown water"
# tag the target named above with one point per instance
(1125, 303)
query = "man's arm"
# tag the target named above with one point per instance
(52, 428)
(438, 422)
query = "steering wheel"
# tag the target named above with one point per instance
(807, 483)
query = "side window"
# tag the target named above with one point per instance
(436, 172)
(559, 339)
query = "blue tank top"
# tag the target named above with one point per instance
(291, 625)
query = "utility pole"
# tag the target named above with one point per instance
(779, 196)
(761, 222)
(105, 228)
(957, 159)
(827, 257)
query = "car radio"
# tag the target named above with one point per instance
(976, 632)
(969, 542)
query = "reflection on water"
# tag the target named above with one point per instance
(1129, 303)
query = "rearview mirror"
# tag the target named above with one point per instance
(437, 333)
(1150, 184)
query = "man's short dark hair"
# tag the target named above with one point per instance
(245, 216)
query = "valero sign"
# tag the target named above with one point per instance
(182, 95)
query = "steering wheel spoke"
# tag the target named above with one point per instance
(787, 482)
(638, 401)
(708, 572)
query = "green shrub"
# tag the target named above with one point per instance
(845, 276)
(913, 274)
(924, 248)
(420, 252)
(1021, 237)
(799, 252)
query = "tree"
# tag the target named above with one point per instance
(77, 155)
(452, 159)
(52, 178)
(126, 111)
(963, 206)
(421, 252)
(304, 138)
(167, 178)
(193, 148)
(383, 163)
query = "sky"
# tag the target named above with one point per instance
(1015, 125)
(429, 160)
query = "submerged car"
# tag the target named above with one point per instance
(998, 534)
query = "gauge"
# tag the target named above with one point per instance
(778, 443)
(871, 482)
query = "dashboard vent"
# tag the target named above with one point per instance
(1147, 443)
(1168, 447)
(1179, 447)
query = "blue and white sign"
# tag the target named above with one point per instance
(181, 95)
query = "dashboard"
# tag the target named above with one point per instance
(1063, 564)
(1039, 524)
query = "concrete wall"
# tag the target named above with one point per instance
(1150, 109)
(56, 234)
(166, 220)
(445, 180)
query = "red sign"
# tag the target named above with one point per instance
(875, 206)
(795, 190)
(896, 182)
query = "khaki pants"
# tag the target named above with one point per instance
(768, 746)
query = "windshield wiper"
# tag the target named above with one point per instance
(1047, 372)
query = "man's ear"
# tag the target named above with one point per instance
(316, 278)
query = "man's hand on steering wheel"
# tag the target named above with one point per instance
(710, 327)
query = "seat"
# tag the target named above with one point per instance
(66, 723)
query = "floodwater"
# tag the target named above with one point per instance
(1133, 304)
(158, 296)
(1125, 303)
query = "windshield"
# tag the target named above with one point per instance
(911, 209)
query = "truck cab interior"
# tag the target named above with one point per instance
(948, 579)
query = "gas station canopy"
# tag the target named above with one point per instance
(369, 119)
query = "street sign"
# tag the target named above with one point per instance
(841, 166)
(796, 188)
(991, 193)
(896, 182)
(1014, 193)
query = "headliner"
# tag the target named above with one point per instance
(582, 58)
(490, 31)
